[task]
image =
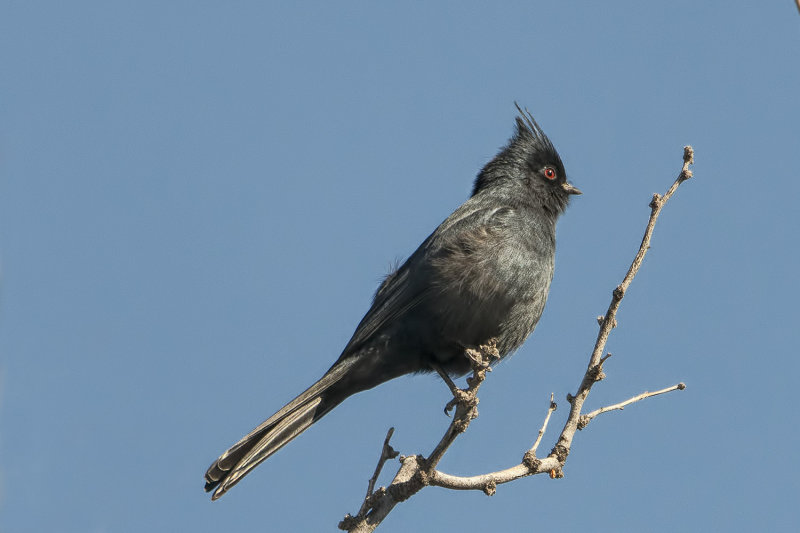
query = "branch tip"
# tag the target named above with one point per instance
(656, 201)
(585, 419)
(688, 155)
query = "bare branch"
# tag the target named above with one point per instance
(585, 419)
(405, 484)
(530, 465)
(550, 410)
(387, 452)
(487, 482)
(594, 370)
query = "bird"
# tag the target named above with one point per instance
(483, 275)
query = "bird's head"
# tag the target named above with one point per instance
(529, 163)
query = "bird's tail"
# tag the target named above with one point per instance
(275, 432)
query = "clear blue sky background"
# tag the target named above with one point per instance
(198, 200)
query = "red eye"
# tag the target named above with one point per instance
(549, 173)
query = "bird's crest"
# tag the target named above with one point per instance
(528, 141)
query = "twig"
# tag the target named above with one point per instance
(387, 452)
(585, 419)
(550, 410)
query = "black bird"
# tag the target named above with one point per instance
(483, 274)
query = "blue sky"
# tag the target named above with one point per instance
(197, 201)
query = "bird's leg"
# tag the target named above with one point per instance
(458, 394)
(445, 377)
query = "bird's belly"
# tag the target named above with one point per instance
(451, 322)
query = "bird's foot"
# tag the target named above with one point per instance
(459, 396)
(483, 356)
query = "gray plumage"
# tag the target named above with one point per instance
(484, 273)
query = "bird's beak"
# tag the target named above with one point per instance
(570, 189)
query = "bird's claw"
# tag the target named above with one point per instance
(459, 397)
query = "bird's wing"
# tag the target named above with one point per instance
(411, 283)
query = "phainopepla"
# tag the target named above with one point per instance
(483, 274)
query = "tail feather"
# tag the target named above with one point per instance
(284, 431)
(274, 433)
